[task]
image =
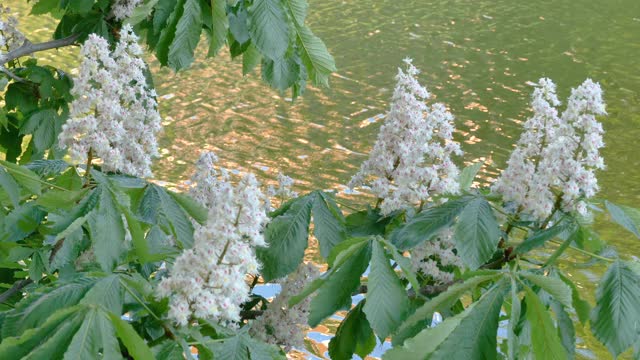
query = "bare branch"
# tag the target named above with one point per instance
(30, 48)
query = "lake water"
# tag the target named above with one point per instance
(476, 56)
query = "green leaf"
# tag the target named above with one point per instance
(21, 222)
(335, 293)
(514, 319)
(554, 286)
(428, 224)
(339, 255)
(107, 232)
(329, 223)
(242, 347)
(468, 174)
(287, 237)
(141, 12)
(539, 238)
(220, 24)
(544, 336)
(477, 233)
(444, 301)
(46, 168)
(10, 186)
(581, 306)
(48, 341)
(44, 6)
(96, 336)
(614, 320)
(166, 21)
(280, 73)
(268, 28)
(136, 346)
(566, 330)
(108, 293)
(80, 6)
(250, 59)
(34, 310)
(627, 217)
(186, 37)
(25, 177)
(387, 301)
(158, 207)
(193, 208)
(354, 336)
(576, 235)
(468, 335)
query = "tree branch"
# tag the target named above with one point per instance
(11, 75)
(30, 48)
(14, 289)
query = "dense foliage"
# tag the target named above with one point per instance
(98, 263)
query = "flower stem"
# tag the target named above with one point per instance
(87, 174)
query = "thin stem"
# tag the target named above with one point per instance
(584, 252)
(11, 75)
(17, 286)
(144, 305)
(87, 174)
(556, 207)
(30, 48)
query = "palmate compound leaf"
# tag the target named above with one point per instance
(34, 310)
(74, 333)
(354, 336)
(442, 302)
(471, 334)
(157, 207)
(614, 320)
(287, 236)
(544, 337)
(560, 291)
(387, 301)
(477, 233)
(186, 37)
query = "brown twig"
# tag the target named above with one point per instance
(30, 48)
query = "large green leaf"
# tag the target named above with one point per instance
(268, 27)
(335, 293)
(328, 221)
(49, 341)
(614, 320)
(35, 309)
(477, 233)
(25, 177)
(107, 231)
(219, 26)
(428, 224)
(468, 174)
(626, 216)
(187, 36)
(158, 207)
(21, 222)
(315, 56)
(96, 338)
(469, 335)
(165, 21)
(354, 336)
(136, 346)
(566, 330)
(10, 186)
(544, 336)
(287, 237)
(387, 301)
(554, 286)
(582, 307)
(443, 302)
(242, 347)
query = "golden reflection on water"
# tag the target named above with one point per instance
(478, 57)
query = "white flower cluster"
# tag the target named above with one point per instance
(114, 113)
(283, 325)
(282, 193)
(10, 37)
(122, 9)
(411, 159)
(436, 258)
(208, 280)
(554, 161)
